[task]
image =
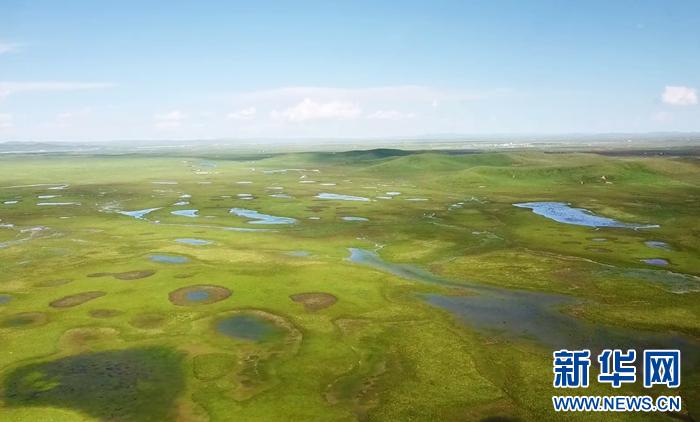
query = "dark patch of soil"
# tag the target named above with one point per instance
(314, 301)
(54, 283)
(76, 299)
(24, 320)
(148, 320)
(105, 313)
(126, 275)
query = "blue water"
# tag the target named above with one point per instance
(195, 242)
(341, 197)
(169, 259)
(563, 213)
(525, 314)
(197, 295)
(259, 218)
(247, 327)
(185, 213)
(657, 244)
(5, 299)
(140, 214)
(656, 261)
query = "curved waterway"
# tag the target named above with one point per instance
(564, 213)
(525, 314)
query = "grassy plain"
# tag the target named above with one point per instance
(376, 352)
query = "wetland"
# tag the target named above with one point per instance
(379, 285)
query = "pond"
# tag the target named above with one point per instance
(197, 295)
(5, 299)
(563, 213)
(185, 213)
(657, 244)
(656, 261)
(194, 242)
(248, 327)
(138, 214)
(340, 197)
(350, 218)
(260, 218)
(203, 294)
(169, 259)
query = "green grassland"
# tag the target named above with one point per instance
(379, 352)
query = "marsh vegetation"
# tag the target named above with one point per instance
(396, 286)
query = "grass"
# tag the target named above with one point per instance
(376, 353)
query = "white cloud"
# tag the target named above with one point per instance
(9, 47)
(243, 114)
(170, 120)
(6, 121)
(390, 115)
(309, 109)
(8, 88)
(680, 96)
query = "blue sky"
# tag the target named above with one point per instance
(86, 70)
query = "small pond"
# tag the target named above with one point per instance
(340, 197)
(194, 242)
(657, 244)
(660, 262)
(564, 213)
(248, 327)
(260, 218)
(185, 213)
(350, 218)
(139, 214)
(169, 259)
(197, 295)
